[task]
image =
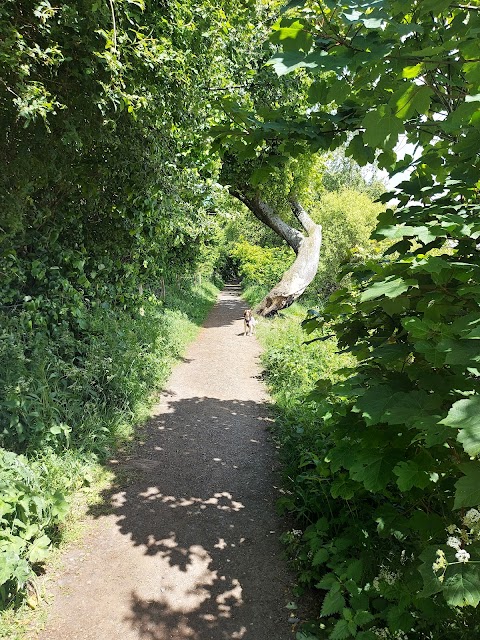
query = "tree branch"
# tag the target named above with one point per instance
(263, 212)
(302, 216)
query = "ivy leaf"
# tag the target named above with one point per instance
(467, 492)
(465, 416)
(461, 586)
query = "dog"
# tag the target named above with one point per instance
(248, 323)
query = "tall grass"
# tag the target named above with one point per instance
(292, 369)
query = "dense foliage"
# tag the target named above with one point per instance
(106, 195)
(387, 495)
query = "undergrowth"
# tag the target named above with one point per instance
(67, 405)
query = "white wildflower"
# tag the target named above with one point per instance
(471, 517)
(462, 555)
(388, 576)
(453, 542)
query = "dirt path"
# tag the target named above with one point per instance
(188, 548)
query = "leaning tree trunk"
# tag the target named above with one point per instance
(306, 246)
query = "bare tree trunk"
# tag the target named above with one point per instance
(306, 245)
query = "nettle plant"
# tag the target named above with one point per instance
(399, 436)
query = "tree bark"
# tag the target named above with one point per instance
(306, 245)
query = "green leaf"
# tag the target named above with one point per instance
(353, 570)
(399, 619)
(39, 549)
(373, 469)
(284, 63)
(472, 71)
(292, 35)
(341, 630)
(343, 487)
(412, 71)
(410, 475)
(414, 99)
(372, 23)
(374, 402)
(461, 586)
(362, 618)
(60, 505)
(333, 601)
(381, 127)
(327, 582)
(320, 557)
(390, 287)
(465, 416)
(467, 488)
(431, 584)
(318, 91)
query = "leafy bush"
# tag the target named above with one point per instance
(29, 510)
(261, 265)
(348, 218)
(382, 469)
(392, 532)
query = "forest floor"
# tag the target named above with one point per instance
(185, 544)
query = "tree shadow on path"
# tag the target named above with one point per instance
(197, 498)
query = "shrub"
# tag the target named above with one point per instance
(261, 265)
(29, 511)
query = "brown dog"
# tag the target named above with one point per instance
(248, 323)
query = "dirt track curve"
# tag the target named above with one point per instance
(188, 546)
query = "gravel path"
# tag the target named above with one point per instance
(188, 546)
